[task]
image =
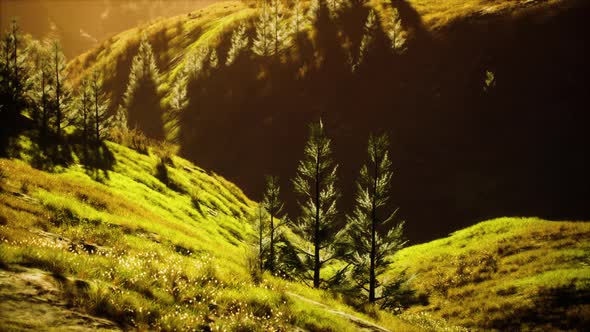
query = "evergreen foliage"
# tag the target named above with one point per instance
(100, 119)
(396, 33)
(239, 42)
(371, 235)
(315, 182)
(63, 96)
(274, 207)
(141, 97)
(370, 29)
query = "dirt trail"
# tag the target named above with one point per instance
(30, 300)
(364, 325)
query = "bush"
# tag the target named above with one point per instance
(132, 138)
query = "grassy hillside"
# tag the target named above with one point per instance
(505, 274)
(146, 251)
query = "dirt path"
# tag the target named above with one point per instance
(30, 300)
(364, 325)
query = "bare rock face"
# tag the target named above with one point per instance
(30, 299)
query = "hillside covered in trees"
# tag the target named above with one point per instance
(485, 115)
(361, 127)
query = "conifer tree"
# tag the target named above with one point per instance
(239, 42)
(14, 82)
(395, 32)
(42, 95)
(315, 183)
(100, 118)
(279, 29)
(370, 29)
(84, 105)
(213, 59)
(141, 98)
(262, 44)
(298, 19)
(193, 67)
(371, 234)
(62, 101)
(273, 205)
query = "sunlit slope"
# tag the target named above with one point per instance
(505, 274)
(148, 249)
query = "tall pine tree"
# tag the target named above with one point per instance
(239, 42)
(315, 183)
(370, 233)
(142, 99)
(274, 206)
(62, 100)
(100, 102)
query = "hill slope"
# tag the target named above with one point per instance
(526, 143)
(505, 274)
(142, 249)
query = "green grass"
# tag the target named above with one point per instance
(504, 273)
(159, 258)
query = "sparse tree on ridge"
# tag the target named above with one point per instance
(315, 183)
(371, 234)
(274, 206)
(239, 42)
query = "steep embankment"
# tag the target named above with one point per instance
(147, 241)
(506, 274)
(485, 108)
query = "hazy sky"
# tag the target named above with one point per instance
(80, 24)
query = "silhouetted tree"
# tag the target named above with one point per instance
(100, 103)
(262, 44)
(315, 182)
(395, 32)
(366, 227)
(279, 30)
(141, 97)
(41, 93)
(13, 78)
(274, 206)
(84, 106)
(370, 29)
(62, 101)
(239, 42)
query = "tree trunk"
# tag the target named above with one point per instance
(272, 242)
(316, 238)
(57, 95)
(372, 279)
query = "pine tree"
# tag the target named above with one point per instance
(273, 205)
(41, 93)
(14, 82)
(213, 59)
(315, 182)
(298, 19)
(366, 227)
(395, 32)
(278, 29)
(62, 101)
(370, 29)
(262, 44)
(179, 97)
(193, 67)
(141, 98)
(84, 105)
(100, 118)
(239, 42)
